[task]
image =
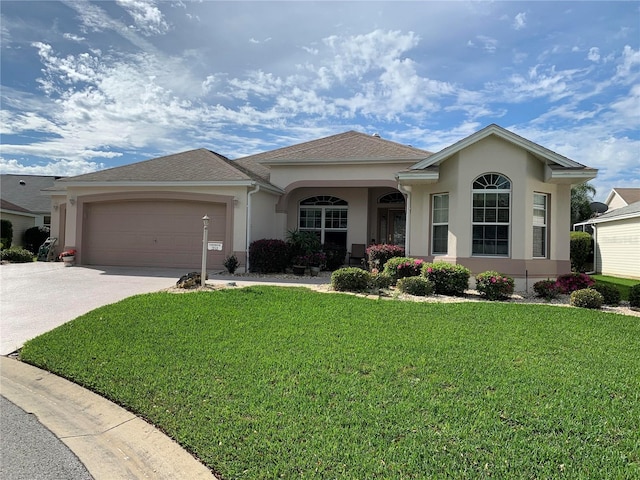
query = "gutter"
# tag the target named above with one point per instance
(248, 225)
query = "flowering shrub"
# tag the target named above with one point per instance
(268, 256)
(447, 279)
(400, 267)
(586, 298)
(547, 289)
(67, 253)
(378, 255)
(494, 286)
(418, 286)
(350, 279)
(571, 282)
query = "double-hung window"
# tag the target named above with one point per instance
(540, 208)
(440, 224)
(326, 216)
(491, 217)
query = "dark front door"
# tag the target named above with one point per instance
(392, 226)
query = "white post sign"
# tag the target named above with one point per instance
(215, 246)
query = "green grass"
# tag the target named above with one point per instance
(268, 382)
(622, 284)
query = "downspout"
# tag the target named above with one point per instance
(595, 250)
(249, 195)
(406, 190)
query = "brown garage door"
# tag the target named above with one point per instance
(151, 233)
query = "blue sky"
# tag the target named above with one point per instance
(91, 85)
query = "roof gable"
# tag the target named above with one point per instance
(347, 147)
(628, 195)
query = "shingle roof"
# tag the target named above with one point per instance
(27, 194)
(7, 205)
(632, 210)
(199, 165)
(629, 195)
(345, 147)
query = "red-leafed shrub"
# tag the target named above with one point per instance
(379, 254)
(571, 282)
(268, 256)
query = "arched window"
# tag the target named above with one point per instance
(491, 215)
(326, 216)
(395, 198)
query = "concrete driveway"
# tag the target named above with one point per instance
(37, 297)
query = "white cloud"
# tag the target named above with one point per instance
(75, 38)
(594, 54)
(147, 16)
(520, 21)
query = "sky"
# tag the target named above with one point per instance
(93, 85)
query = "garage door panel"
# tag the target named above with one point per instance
(151, 233)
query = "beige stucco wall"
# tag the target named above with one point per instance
(456, 176)
(618, 248)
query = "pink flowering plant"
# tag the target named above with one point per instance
(379, 254)
(571, 282)
(401, 267)
(494, 286)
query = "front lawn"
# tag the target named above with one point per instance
(622, 284)
(268, 382)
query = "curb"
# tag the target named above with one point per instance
(110, 441)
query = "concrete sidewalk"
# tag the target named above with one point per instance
(111, 442)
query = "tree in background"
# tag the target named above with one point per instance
(581, 198)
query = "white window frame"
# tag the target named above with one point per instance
(542, 224)
(435, 223)
(494, 184)
(324, 204)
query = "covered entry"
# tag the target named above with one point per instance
(151, 233)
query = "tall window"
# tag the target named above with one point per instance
(440, 224)
(326, 216)
(540, 225)
(491, 215)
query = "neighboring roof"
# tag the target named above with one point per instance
(7, 205)
(629, 195)
(25, 191)
(344, 148)
(559, 168)
(630, 211)
(199, 166)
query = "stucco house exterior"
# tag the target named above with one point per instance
(493, 200)
(23, 204)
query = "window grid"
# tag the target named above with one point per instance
(321, 214)
(540, 225)
(491, 215)
(440, 224)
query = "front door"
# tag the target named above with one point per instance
(392, 226)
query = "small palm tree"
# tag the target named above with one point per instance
(581, 198)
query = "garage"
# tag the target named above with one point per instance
(151, 233)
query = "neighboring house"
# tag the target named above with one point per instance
(493, 200)
(23, 203)
(622, 197)
(616, 236)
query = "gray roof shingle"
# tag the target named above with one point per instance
(27, 194)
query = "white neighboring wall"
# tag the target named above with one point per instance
(618, 248)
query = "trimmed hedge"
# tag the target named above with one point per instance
(268, 256)
(350, 279)
(447, 279)
(17, 255)
(378, 255)
(634, 296)
(570, 282)
(6, 233)
(401, 267)
(610, 293)
(547, 289)
(586, 298)
(418, 286)
(579, 250)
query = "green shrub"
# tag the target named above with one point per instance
(34, 237)
(494, 286)
(231, 263)
(302, 243)
(610, 293)
(570, 282)
(6, 233)
(418, 286)
(447, 279)
(580, 247)
(400, 267)
(548, 289)
(268, 256)
(335, 255)
(16, 255)
(634, 296)
(586, 298)
(380, 281)
(350, 279)
(378, 255)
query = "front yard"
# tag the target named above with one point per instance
(271, 382)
